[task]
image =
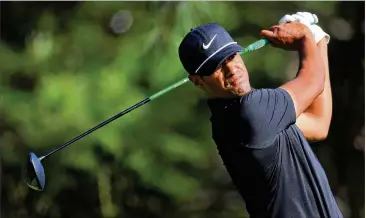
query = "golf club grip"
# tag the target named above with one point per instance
(255, 46)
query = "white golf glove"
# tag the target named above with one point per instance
(309, 20)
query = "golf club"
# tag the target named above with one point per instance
(35, 176)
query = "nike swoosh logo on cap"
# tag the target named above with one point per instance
(209, 44)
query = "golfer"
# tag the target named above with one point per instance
(261, 134)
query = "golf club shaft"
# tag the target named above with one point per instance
(254, 46)
(139, 104)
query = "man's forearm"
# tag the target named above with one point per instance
(309, 82)
(321, 107)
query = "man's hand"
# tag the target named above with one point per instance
(309, 20)
(288, 36)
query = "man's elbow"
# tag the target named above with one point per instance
(323, 134)
(319, 135)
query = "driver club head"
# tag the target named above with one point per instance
(35, 177)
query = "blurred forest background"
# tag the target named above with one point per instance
(66, 66)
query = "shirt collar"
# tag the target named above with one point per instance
(217, 105)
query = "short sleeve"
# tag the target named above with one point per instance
(267, 112)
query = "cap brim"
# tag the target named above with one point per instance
(215, 62)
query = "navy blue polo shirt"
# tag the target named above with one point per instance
(268, 157)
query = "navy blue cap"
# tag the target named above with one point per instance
(205, 47)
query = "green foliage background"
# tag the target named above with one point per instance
(70, 71)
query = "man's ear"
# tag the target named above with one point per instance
(196, 80)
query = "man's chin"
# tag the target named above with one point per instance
(237, 91)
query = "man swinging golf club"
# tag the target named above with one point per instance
(261, 134)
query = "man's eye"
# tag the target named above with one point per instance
(230, 57)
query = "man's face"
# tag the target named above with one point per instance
(229, 80)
